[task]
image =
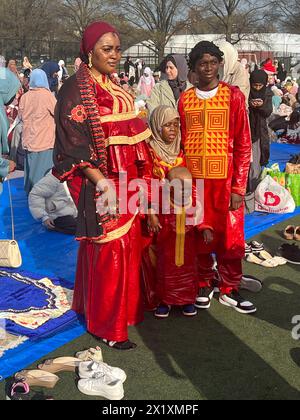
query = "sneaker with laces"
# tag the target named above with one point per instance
(204, 298)
(251, 283)
(104, 386)
(92, 370)
(189, 310)
(236, 301)
(163, 311)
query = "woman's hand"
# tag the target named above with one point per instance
(154, 225)
(108, 202)
(236, 202)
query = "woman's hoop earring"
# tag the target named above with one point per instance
(90, 62)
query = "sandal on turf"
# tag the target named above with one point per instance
(61, 364)
(289, 232)
(252, 258)
(280, 260)
(90, 355)
(37, 378)
(260, 250)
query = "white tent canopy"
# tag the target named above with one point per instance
(286, 44)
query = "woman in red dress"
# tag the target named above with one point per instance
(99, 137)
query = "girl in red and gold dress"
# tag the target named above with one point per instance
(99, 137)
(173, 279)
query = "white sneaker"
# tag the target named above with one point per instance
(92, 370)
(105, 386)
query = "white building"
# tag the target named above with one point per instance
(279, 44)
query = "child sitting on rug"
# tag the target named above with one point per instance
(175, 276)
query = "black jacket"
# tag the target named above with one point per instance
(259, 127)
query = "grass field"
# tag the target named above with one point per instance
(220, 354)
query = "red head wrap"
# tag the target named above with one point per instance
(91, 36)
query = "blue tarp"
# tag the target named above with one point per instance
(54, 255)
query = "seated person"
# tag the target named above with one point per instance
(50, 203)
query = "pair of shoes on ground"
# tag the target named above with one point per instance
(101, 380)
(232, 299)
(163, 311)
(292, 233)
(96, 377)
(291, 252)
(257, 254)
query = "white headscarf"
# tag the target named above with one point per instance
(231, 57)
(148, 80)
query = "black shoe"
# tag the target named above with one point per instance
(250, 283)
(236, 301)
(117, 345)
(204, 298)
(120, 345)
(291, 253)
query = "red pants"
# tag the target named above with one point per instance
(107, 289)
(230, 271)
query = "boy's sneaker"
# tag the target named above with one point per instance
(105, 386)
(189, 310)
(236, 301)
(163, 311)
(204, 298)
(93, 370)
(250, 283)
(291, 253)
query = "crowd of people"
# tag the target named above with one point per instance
(205, 129)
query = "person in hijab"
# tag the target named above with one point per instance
(26, 64)
(175, 277)
(36, 111)
(260, 108)
(234, 73)
(9, 86)
(63, 73)
(77, 64)
(12, 66)
(167, 92)
(281, 72)
(98, 137)
(51, 69)
(146, 83)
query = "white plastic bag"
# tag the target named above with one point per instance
(271, 197)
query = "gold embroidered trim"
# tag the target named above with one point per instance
(122, 140)
(180, 238)
(118, 233)
(118, 117)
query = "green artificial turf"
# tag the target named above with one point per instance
(220, 354)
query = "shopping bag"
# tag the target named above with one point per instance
(293, 186)
(271, 197)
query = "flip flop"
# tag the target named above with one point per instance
(37, 378)
(90, 355)
(280, 260)
(61, 364)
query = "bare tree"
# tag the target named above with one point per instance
(80, 13)
(236, 19)
(289, 15)
(159, 19)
